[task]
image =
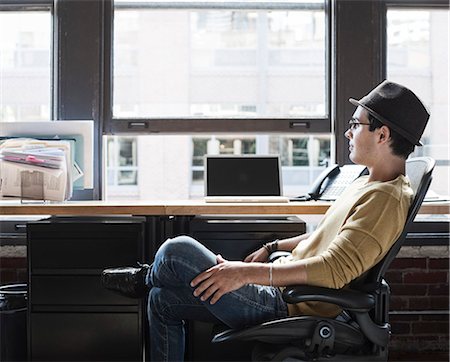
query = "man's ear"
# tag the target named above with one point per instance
(384, 134)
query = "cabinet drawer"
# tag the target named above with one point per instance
(84, 245)
(83, 253)
(85, 337)
(74, 290)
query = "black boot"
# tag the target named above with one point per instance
(127, 281)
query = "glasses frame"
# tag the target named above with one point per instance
(354, 123)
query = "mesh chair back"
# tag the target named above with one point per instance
(418, 170)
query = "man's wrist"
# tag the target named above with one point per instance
(271, 246)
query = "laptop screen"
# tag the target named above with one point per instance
(242, 175)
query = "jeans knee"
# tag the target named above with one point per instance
(180, 245)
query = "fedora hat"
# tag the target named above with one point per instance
(397, 107)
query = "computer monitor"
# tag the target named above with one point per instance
(243, 175)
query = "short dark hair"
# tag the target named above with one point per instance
(400, 145)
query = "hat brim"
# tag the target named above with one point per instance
(385, 121)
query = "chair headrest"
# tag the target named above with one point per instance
(416, 168)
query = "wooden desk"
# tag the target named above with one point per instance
(180, 207)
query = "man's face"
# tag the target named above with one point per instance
(361, 141)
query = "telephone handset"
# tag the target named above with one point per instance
(333, 181)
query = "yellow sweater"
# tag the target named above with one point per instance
(355, 233)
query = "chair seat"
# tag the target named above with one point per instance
(294, 329)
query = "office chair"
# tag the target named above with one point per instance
(361, 332)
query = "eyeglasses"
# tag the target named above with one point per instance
(354, 123)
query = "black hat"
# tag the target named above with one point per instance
(397, 107)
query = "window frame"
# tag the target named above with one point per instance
(25, 5)
(403, 4)
(76, 91)
(360, 56)
(40, 5)
(85, 92)
(192, 125)
(408, 4)
(79, 79)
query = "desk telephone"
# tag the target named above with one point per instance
(333, 181)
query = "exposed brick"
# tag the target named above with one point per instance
(425, 277)
(417, 356)
(408, 263)
(435, 317)
(439, 289)
(13, 262)
(430, 328)
(408, 289)
(400, 328)
(419, 303)
(398, 303)
(425, 251)
(394, 277)
(415, 343)
(8, 276)
(438, 263)
(403, 317)
(439, 303)
(22, 275)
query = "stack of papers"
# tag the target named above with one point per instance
(42, 157)
(36, 169)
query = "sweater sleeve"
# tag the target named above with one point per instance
(367, 234)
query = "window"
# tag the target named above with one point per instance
(25, 64)
(269, 43)
(418, 57)
(204, 63)
(122, 166)
(242, 69)
(171, 167)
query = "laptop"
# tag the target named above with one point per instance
(243, 178)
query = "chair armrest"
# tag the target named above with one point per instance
(278, 254)
(348, 299)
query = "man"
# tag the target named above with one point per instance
(187, 281)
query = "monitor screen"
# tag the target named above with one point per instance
(243, 176)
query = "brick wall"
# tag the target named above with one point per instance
(13, 264)
(419, 304)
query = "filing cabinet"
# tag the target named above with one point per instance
(71, 316)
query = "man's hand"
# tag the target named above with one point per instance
(220, 279)
(261, 255)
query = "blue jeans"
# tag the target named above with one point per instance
(171, 300)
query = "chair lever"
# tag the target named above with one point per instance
(322, 341)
